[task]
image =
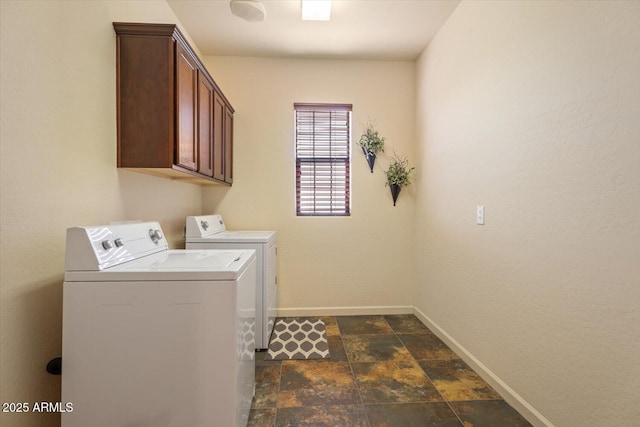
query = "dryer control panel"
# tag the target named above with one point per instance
(204, 225)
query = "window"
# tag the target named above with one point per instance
(323, 143)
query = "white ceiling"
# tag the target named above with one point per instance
(359, 29)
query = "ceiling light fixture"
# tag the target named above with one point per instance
(316, 10)
(249, 10)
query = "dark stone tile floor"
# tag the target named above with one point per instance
(384, 371)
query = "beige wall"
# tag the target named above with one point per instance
(362, 263)
(58, 158)
(533, 110)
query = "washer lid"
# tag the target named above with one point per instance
(173, 265)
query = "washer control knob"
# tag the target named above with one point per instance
(204, 225)
(106, 244)
(155, 235)
(119, 242)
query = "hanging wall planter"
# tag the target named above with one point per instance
(398, 175)
(395, 192)
(371, 143)
(371, 158)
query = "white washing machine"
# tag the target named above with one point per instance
(209, 232)
(152, 336)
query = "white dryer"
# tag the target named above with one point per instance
(152, 336)
(210, 232)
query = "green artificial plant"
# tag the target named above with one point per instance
(398, 172)
(371, 141)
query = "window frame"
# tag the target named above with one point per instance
(331, 171)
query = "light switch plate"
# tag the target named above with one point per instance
(480, 215)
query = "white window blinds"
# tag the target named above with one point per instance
(323, 141)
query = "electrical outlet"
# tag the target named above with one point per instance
(480, 215)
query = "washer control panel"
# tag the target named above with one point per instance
(100, 247)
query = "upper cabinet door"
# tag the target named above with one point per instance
(228, 145)
(205, 125)
(186, 104)
(218, 137)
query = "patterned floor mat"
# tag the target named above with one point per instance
(298, 339)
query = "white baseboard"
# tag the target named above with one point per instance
(344, 311)
(509, 395)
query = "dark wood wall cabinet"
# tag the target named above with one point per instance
(173, 120)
